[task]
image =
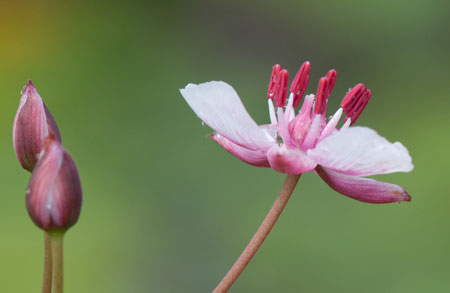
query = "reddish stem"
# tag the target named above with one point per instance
(261, 234)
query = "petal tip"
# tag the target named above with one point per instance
(401, 195)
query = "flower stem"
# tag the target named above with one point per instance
(57, 259)
(47, 275)
(261, 234)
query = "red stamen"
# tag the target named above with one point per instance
(351, 97)
(298, 85)
(331, 76)
(355, 101)
(281, 88)
(324, 88)
(298, 96)
(360, 107)
(273, 78)
(321, 102)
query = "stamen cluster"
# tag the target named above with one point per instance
(352, 104)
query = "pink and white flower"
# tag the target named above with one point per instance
(298, 142)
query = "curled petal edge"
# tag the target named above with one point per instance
(363, 189)
(255, 158)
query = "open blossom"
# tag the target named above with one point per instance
(32, 124)
(300, 141)
(53, 196)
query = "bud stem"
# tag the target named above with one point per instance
(47, 275)
(261, 234)
(57, 259)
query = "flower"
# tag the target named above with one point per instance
(53, 197)
(299, 142)
(32, 124)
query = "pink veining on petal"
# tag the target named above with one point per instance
(363, 189)
(331, 125)
(290, 161)
(283, 129)
(257, 158)
(299, 126)
(313, 132)
(360, 151)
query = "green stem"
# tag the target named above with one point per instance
(57, 259)
(261, 234)
(47, 275)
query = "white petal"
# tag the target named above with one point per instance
(360, 151)
(270, 130)
(219, 106)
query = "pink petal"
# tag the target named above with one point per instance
(219, 106)
(360, 151)
(256, 158)
(291, 161)
(363, 189)
(313, 133)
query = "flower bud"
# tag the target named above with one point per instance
(32, 124)
(53, 196)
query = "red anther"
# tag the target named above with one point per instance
(331, 75)
(300, 78)
(273, 78)
(352, 97)
(298, 85)
(281, 88)
(355, 101)
(321, 100)
(361, 105)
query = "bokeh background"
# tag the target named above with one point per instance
(167, 210)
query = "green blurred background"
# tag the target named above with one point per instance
(167, 210)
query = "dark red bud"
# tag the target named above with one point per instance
(53, 197)
(32, 124)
